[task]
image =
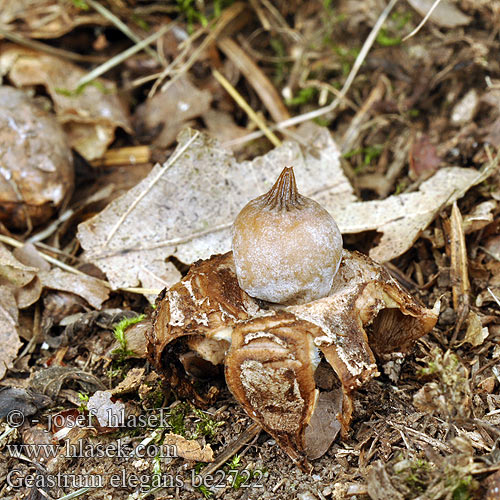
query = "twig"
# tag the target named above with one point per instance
(246, 107)
(330, 107)
(497, 300)
(227, 16)
(115, 60)
(424, 20)
(251, 431)
(459, 269)
(48, 49)
(155, 179)
(257, 79)
(14, 243)
(121, 26)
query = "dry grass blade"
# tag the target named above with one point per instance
(229, 15)
(257, 79)
(17, 244)
(119, 58)
(495, 298)
(48, 49)
(424, 20)
(459, 268)
(246, 107)
(352, 133)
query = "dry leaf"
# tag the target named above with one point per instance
(130, 383)
(89, 116)
(445, 14)
(186, 208)
(189, 449)
(94, 291)
(476, 334)
(324, 425)
(35, 22)
(480, 216)
(170, 110)
(401, 218)
(9, 321)
(13, 271)
(20, 278)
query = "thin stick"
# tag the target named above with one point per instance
(121, 26)
(142, 291)
(227, 16)
(155, 179)
(330, 107)
(114, 61)
(497, 300)
(249, 433)
(48, 49)
(14, 243)
(424, 20)
(246, 107)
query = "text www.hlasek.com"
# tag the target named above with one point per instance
(80, 449)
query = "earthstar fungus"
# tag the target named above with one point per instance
(271, 351)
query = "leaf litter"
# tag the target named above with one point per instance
(440, 86)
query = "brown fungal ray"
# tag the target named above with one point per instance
(206, 301)
(366, 313)
(269, 371)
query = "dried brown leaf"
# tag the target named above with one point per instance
(189, 449)
(90, 115)
(9, 337)
(94, 291)
(170, 110)
(12, 271)
(475, 334)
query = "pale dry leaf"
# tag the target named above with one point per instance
(89, 117)
(445, 14)
(9, 321)
(13, 271)
(22, 279)
(189, 211)
(171, 109)
(475, 334)
(94, 291)
(401, 218)
(480, 216)
(324, 425)
(34, 19)
(189, 449)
